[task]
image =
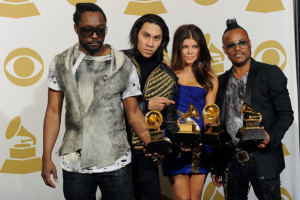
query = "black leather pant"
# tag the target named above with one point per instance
(237, 177)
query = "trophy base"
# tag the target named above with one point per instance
(186, 138)
(162, 146)
(254, 134)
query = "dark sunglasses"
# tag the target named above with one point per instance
(243, 44)
(88, 32)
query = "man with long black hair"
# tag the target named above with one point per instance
(149, 37)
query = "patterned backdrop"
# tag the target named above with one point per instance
(33, 31)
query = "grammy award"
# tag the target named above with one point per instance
(159, 144)
(251, 122)
(189, 131)
(23, 158)
(214, 129)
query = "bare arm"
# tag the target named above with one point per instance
(136, 119)
(159, 103)
(51, 130)
(211, 94)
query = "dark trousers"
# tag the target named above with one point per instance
(238, 176)
(145, 177)
(113, 185)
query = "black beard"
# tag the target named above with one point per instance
(88, 49)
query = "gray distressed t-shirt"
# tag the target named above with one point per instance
(234, 98)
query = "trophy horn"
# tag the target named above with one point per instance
(248, 110)
(211, 113)
(153, 119)
(192, 112)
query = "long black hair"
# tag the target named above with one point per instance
(150, 18)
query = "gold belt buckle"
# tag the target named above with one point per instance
(242, 156)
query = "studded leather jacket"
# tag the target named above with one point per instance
(161, 82)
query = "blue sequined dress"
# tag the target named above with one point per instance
(179, 162)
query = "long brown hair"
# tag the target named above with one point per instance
(202, 66)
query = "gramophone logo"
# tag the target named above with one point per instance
(271, 52)
(217, 56)
(206, 2)
(23, 67)
(74, 2)
(141, 7)
(211, 193)
(265, 6)
(23, 158)
(18, 8)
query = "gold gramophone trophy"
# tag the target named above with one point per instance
(251, 122)
(159, 143)
(214, 128)
(189, 131)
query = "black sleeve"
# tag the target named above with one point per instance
(281, 103)
(171, 118)
(143, 105)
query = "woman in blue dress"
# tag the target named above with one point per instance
(191, 62)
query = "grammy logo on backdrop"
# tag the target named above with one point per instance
(18, 9)
(142, 7)
(74, 2)
(212, 193)
(217, 56)
(23, 158)
(265, 6)
(206, 2)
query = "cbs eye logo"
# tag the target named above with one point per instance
(285, 195)
(271, 52)
(74, 2)
(23, 67)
